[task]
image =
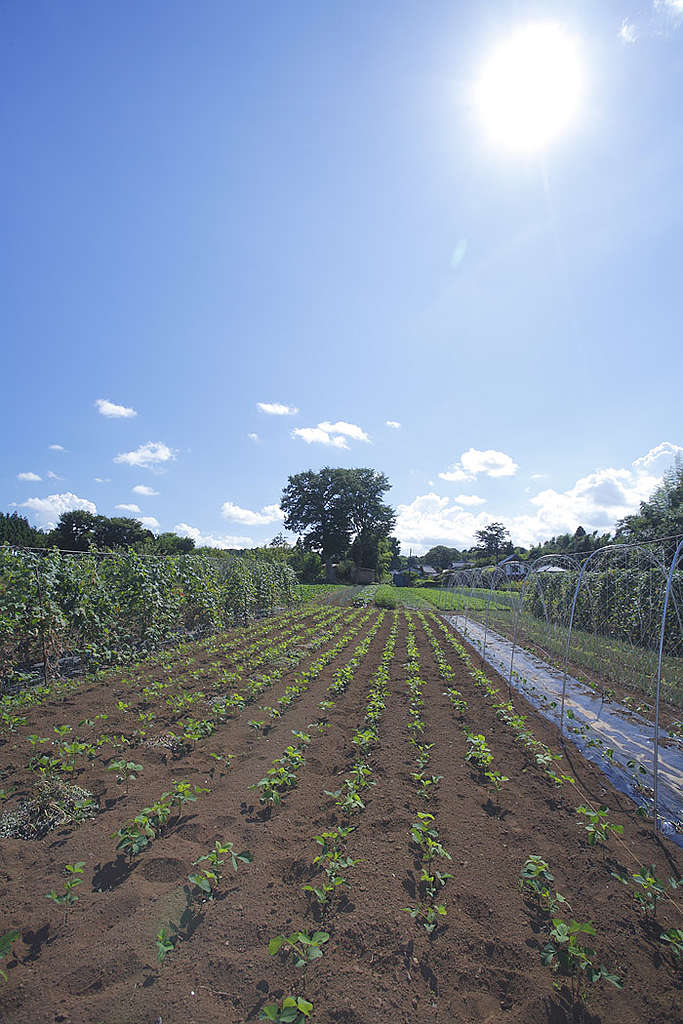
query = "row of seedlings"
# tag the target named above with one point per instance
(428, 848)
(333, 859)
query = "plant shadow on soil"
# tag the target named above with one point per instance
(111, 874)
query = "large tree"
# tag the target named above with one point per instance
(335, 507)
(492, 538)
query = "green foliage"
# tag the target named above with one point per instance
(385, 598)
(67, 898)
(335, 506)
(564, 953)
(597, 826)
(7, 940)
(304, 947)
(113, 608)
(292, 1010)
(673, 938)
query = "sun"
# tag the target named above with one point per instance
(530, 88)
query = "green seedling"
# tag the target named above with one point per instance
(128, 771)
(7, 940)
(427, 914)
(650, 890)
(564, 953)
(597, 826)
(164, 944)
(292, 1010)
(221, 761)
(304, 947)
(536, 878)
(256, 724)
(68, 897)
(426, 783)
(673, 938)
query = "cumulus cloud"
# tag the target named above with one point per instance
(49, 509)
(254, 437)
(268, 514)
(114, 411)
(148, 492)
(207, 540)
(356, 433)
(53, 476)
(332, 434)
(665, 451)
(628, 32)
(474, 462)
(30, 477)
(431, 519)
(149, 522)
(102, 480)
(56, 448)
(147, 455)
(469, 499)
(595, 501)
(128, 508)
(394, 424)
(316, 435)
(277, 409)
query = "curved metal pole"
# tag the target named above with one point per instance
(488, 605)
(655, 766)
(517, 615)
(569, 631)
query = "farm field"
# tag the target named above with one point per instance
(350, 772)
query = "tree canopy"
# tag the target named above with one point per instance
(493, 538)
(337, 510)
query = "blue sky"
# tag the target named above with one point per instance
(213, 205)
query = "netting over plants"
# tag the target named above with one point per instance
(68, 611)
(613, 621)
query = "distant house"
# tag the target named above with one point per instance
(514, 569)
(460, 565)
(429, 570)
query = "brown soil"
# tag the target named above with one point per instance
(379, 967)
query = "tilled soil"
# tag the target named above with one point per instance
(482, 962)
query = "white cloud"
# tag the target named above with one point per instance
(595, 501)
(666, 450)
(316, 435)
(394, 424)
(147, 455)
(49, 509)
(332, 434)
(254, 437)
(53, 476)
(56, 448)
(111, 409)
(102, 480)
(474, 462)
(277, 409)
(430, 519)
(539, 476)
(128, 508)
(469, 499)
(149, 522)
(346, 429)
(31, 477)
(628, 32)
(207, 540)
(674, 6)
(268, 514)
(148, 492)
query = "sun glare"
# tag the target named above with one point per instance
(529, 90)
